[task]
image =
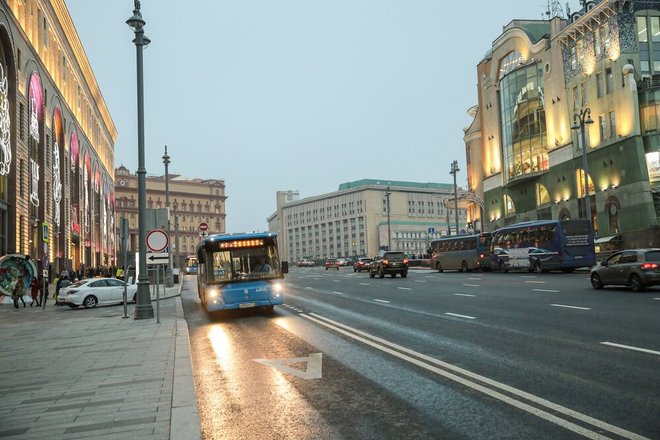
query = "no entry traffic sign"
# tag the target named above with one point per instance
(157, 240)
(203, 229)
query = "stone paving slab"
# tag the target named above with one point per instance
(89, 373)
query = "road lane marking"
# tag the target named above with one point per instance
(336, 281)
(464, 294)
(381, 301)
(471, 285)
(365, 284)
(422, 281)
(338, 293)
(460, 316)
(404, 288)
(427, 361)
(570, 307)
(535, 282)
(474, 279)
(528, 276)
(629, 347)
(657, 299)
(546, 290)
(312, 369)
(309, 288)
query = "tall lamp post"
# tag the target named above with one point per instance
(169, 282)
(143, 306)
(579, 121)
(389, 233)
(453, 172)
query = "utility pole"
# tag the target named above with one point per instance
(168, 271)
(389, 232)
(453, 172)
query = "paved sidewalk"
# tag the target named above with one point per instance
(89, 373)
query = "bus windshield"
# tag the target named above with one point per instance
(243, 264)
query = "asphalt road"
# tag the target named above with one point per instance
(448, 355)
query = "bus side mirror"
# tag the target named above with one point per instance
(285, 267)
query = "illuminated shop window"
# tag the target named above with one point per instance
(542, 195)
(509, 206)
(579, 174)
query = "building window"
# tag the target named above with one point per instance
(601, 127)
(612, 124)
(609, 81)
(542, 195)
(509, 206)
(642, 30)
(576, 98)
(21, 111)
(510, 62)
(612, 210)
(599, 85)
(583, 93)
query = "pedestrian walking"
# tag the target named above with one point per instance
(62, 282)
(35, 287)
(17, 291)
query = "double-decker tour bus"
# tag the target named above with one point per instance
(463, 252)
(238, 271)
(190, 265)
(544, 245)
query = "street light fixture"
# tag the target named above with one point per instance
(579, 121)
(168, 271)
(143, 306)
(453, 172)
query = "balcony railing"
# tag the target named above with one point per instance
(649, 83)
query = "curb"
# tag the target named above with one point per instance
(184, 419)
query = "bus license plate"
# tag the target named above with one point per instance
(246, 305)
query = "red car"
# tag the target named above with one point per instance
(331, 263)
(362, 264)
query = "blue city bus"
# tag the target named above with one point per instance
(190, 265)
(543, 245)
(238, 271)
(462, 252)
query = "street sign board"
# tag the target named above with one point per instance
(203, 229)
(157, 240)
(431, 230)
(158, 258)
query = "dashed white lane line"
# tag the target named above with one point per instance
(381, 301)
(404, 288)
(338, 293)
(365, 284)
(658, 299)
(528, 276)
(336, 281)
(629, 347)
(546, 290)
(309, 288)
(474, 279)
(464, 294)
(570, 307)
(471, 285)
(420, 281)
(460, 316)
(535, 282)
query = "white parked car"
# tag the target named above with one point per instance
(96, 291)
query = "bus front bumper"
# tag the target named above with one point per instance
(219, 304)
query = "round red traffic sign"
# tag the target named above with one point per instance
(157, 240)
(203, 227)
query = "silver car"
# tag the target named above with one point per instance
(96, 291)
(637, 268)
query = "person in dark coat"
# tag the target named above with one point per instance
(35, 287)
(17, 292)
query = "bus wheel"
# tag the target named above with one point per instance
(464, 267)
(537, 267)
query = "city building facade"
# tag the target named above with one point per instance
(363, 217)
(192, 202)
(56, 142)
(541, 79)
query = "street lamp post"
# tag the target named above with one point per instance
(389, 233)
(143, 306)
(453, 172)
(177, 261)
(579, 121)
(169, 282)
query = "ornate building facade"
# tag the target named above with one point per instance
(56, 141)
(192, 202)
(524, 146)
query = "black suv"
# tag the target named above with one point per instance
(391, 263)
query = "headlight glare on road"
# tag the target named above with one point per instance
(277, 287)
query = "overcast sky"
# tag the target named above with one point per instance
(295, 94)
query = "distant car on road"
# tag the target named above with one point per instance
(391, 263)
(331, 263)
(306, 263)
(637, 268)
(362, 264)
(96, 291)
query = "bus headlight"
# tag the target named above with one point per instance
(212, 293)
(277, 287)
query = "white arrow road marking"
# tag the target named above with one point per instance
(313, 370)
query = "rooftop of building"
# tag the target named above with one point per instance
(536, 30)
(393, 184)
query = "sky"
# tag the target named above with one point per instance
(273, 95)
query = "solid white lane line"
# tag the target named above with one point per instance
(460, 316)
(381, 301)
(338, 293)
(404, 288)
(464, 294)
(546, 290)
(629, 347)
(365, 284)
(570, 307)
(535, 282)
(382, 344)
(471, 285)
